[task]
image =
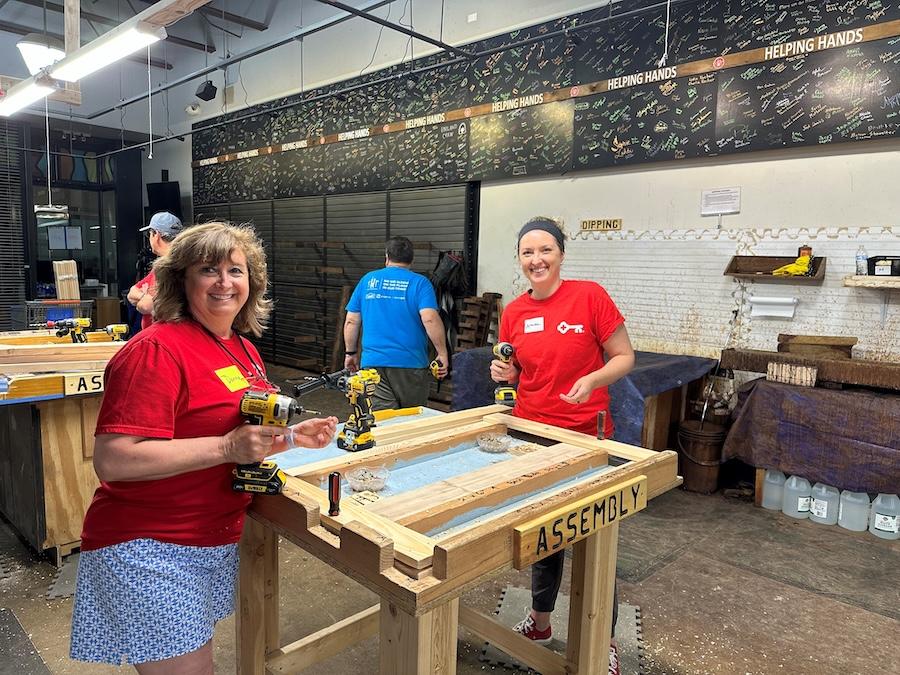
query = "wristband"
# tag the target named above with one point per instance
(353, 353)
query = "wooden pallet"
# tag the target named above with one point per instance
(476, 319)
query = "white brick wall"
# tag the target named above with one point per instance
(671, 288)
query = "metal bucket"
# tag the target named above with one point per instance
(700, 455)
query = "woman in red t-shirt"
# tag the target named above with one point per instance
(570, 343)
(159, 543)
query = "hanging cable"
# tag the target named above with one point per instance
(665, 56)
(149, 103)
(47, 127)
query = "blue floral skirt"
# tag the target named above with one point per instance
(146, 600)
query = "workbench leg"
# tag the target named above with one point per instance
(590, 607)
(256, 620)
(758, 487)
(419, 644)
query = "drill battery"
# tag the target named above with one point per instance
(261, 407)
(260, 478)
(504, 393)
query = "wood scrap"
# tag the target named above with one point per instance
(862, 372)
(826, 346)
(65, 274)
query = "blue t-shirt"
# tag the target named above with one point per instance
(389, 301)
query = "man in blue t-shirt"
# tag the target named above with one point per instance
(397, 311)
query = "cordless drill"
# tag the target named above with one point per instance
(73, 327)
(504, 393)
(117, 331)
(358, 387)
(261, 407)
(357, 432)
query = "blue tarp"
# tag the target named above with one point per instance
(653, 374)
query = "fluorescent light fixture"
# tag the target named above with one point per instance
(39, 51)
(23, 95)
(106, 49)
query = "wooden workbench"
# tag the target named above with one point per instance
(47, 422)
(450, 517)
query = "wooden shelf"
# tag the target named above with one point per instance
(882, 283)
(759, 268)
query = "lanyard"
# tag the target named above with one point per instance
(260, 375)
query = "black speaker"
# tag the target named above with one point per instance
(164, 197)
(206, 91)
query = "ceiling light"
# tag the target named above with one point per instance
(106, 49)
(23, 95)
(39, 51)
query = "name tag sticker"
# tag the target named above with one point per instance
(535, 325)
(232, 378)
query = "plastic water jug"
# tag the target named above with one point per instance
(884, 518)
(853, 512)
(796, 497)
(773, 490)
(823, 508)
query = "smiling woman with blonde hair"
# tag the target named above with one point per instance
(159, 544)
(560, 330)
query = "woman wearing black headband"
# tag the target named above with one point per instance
(560, 331)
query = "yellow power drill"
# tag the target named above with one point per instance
(504, 393)
(73, 327)
(359, 388)
(117, 331)
(261, 407)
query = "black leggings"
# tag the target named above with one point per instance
(546, 576)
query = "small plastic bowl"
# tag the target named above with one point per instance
(367, 478)
(493, 442)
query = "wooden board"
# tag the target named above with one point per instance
(38, 354)
(389, 453)
(825, 346)
(465, 557)
(65, 274)
(760, 268)
(69, 477)
(554, 531)
(48, 337)
(437, 503)
(790, 373)
(853, 371)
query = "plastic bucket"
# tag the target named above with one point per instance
(700, 455)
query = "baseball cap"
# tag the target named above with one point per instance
(164, 223)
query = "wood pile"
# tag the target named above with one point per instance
(65, 274)
(56, 358)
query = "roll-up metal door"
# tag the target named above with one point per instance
(319, 247)
(259, 215)
(434, 218)
(300, 306)
(12, 255)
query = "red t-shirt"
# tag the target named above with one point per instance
(556, 341)
(150, 280)
(163, 384)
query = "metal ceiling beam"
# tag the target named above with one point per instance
(393, 26)
(16, 29)
(292, 37)
(106, 21)
(227, 16)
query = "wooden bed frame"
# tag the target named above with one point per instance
(383, 544)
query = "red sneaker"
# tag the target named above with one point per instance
(613, 660)
(527, 628)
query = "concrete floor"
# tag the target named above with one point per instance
(724, 587)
